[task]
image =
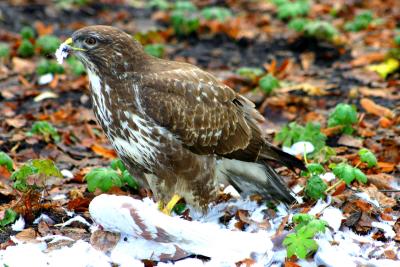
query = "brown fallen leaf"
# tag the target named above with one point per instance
(381, 180)
(27, 235)
(16, 122)
(373, 108)
(382, 199)
(368, 59)
(104, 152)
(23, 66)
(351, 141)
(386, 166)
(104, 241)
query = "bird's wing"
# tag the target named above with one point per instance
(206, 115)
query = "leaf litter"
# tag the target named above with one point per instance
(337, 86)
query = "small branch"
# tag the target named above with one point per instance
(333, 186)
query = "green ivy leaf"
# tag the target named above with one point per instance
(117, 164)
(344, 115)
(216, 13)
(76, 66)
(348, 173)
(301, 243)
(268, 83)
(315, 187)
(368, 157)
(48, 44)
(27, 32)
(129, 180)
(155, 50)
(159, 4)
(294, 132)
(45, 129)
(298, 24)
(23, 172)
(293, 9)
(46, 167)
(6, 161)
(49, 66)
(249, 72)
(4, 50)
(360, 22)
(9, 217)
(25, 49)
(103, 178)
(360, 176)
(320, 30)
(315, 168)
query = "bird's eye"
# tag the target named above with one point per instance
(90, 41)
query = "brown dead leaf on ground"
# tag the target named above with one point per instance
(27, 235)
(368, 59)
(104, 152)
(104, 241)
(381, 180)
(382, 199)
(371, 107)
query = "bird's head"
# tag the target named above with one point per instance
(103, 47)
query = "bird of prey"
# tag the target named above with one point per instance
(181, 127)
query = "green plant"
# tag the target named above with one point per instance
(76, 66)
(314, 28)
(348, 173)
(184, 18)
(159, 4)
(117, 164)
(49, 66)
(105, 178)
(301, 242)
(27, 32)
(9, 217)
(4, 50)
(268, 83)
(48, 44)
(156, 50)
(397, 39)
(298, 24)
(293, 133)
(45, 129)
(216, 13)
(368, 157)
(360, 22)
(315, 187)
(6, 161)
(343, 115)
(42, 169)
(25, 49)
(291, 9)
(250, 72)
(321, 30)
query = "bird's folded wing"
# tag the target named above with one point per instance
(206, 115)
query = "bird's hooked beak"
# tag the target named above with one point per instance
(69, 43)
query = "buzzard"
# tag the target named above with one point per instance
(181, 127)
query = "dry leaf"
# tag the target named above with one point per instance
(373, 108)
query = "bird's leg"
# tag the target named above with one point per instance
(171, 204)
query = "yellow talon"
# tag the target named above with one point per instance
(171, 204)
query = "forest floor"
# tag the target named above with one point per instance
(330, 65)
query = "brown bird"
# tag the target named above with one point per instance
(181, 127)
